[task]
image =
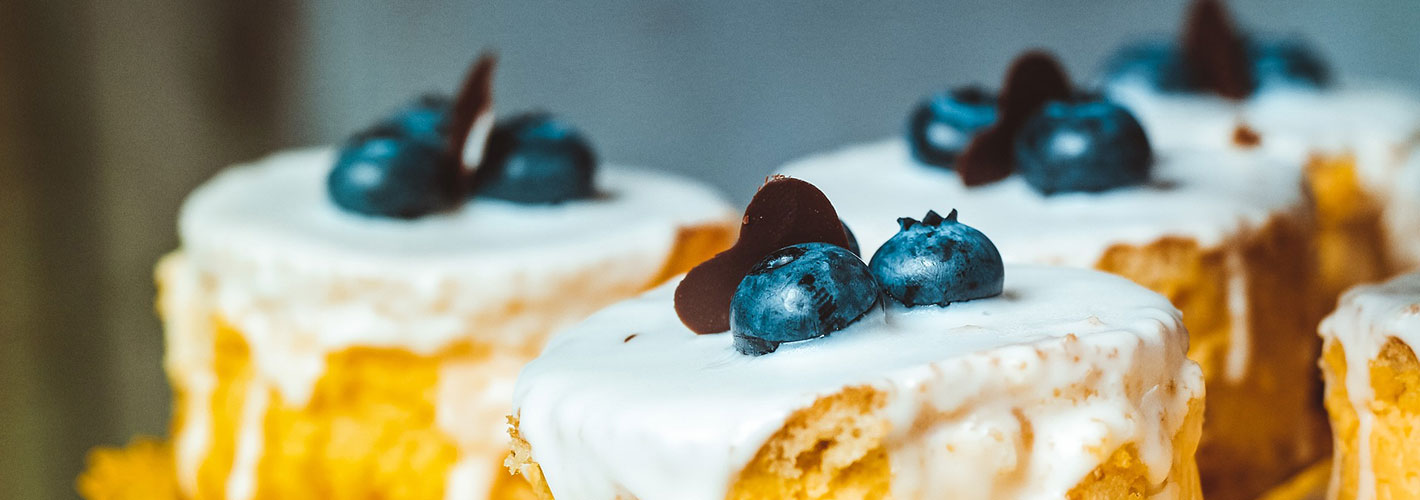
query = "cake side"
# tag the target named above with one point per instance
(1373, 389)
(825, 462)
(1242, 301)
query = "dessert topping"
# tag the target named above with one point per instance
(943, 124)
(797, 293)
(1084, 145)
(784, 212)
(1033, 79)
(536, 158)
(938, 261)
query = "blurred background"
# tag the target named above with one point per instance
(111, 111)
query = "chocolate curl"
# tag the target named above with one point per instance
(472, 115)
(784, 212)
(1215, 52)
(1034, 79)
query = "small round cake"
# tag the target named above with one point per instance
(1030, 382)
(1225, 234)
(338, 328)
(1352, 137)
(1373, 390)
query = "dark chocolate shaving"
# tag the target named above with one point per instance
(784, 212)
(1215, 52)
(1034, 79)
(473, 114)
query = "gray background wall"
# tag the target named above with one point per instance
(110, 111)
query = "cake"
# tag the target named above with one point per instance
(1223, 89)
(333, 339)
(1372, 384)
(1225, 234)
(1030, 382)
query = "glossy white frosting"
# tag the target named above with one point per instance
(1209, 196)
(1366, 318)
(1089, 361)
(1378, 124)
(1402, 215)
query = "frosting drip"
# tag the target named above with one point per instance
(1089, 361)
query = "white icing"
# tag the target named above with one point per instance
(1379, 124)
(1209, 196)
(1089, 360)
(469, 478)
(301, 278)
(1239, 335)
(1365, 319)
(250, 442)
(1402, 215)
(191, 347)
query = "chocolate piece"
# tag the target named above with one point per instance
(1245, 136)
(1214, 51)
(784, 212)
(472, 115)
(1034, 79)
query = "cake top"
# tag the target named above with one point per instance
(633, 401)
(276, 211)
(1203, 195)
(439, 187)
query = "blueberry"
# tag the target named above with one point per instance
(852, 240)
(391, 176)
(800, 292)
(536, 158)
(942, 126)
(425, 120)
(1087, 146)
(1287, 63)
(938, 261)
(1156, 63)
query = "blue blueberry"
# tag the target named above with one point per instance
(852, 240)
(800, 292)
(1082, 146)
(1287, 63)
(425, 120)
(938, 261)
(391, 176)
(1159, 64)
(536, 158)
(942, 126)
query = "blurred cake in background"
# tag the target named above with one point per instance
(1221, 88)
(348, 322)
(1373, 390)
(787, 368)
(1066, 177)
